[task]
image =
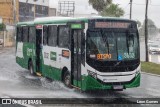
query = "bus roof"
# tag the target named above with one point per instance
(25, 23)
(61, 20)
(57, 20)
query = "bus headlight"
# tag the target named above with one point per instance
(137, 72)
(93, 74)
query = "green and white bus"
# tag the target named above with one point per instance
(95, 53)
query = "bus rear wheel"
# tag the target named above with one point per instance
(31, 68)
(67, 79)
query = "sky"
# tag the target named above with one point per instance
(138, 12)
(81, 6)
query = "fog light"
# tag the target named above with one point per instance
(93, 74)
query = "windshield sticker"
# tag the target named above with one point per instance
(53, 56)
(104, 56)
(46, 55)
(92, 56)
(65, 53)
(119, 57)
(130, 55)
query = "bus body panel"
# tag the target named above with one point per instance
(90, 83)
(52, 61)
(25, 52)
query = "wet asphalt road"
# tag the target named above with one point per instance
(17, 82)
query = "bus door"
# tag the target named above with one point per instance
(38, 49)
(76, 58)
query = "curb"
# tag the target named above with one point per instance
(151, 74)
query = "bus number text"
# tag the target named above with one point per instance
(104, 56)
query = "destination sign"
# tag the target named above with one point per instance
(76, 26)
(112, 24)
(39, 26)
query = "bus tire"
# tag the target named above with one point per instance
(67, 79)
(31, 70)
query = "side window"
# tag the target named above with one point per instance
(19, 34)
(63, 40)
(83, 48)
(52, 35)
(32, 34)
(45, 35)
(25, 34)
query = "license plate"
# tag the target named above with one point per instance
(117, 87)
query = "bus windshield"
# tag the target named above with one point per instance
(112, 46)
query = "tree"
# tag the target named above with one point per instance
(2, 27)
(139, 23)
(152, 29)
(99, 4)
(107, 8)
(112, 10)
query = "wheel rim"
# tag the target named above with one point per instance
(31, 69)
(67, 80)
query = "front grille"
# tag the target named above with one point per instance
(116, 83)
(116, 69)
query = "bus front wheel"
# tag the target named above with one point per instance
(67, 79)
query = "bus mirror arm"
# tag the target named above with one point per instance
(41, 46)
(83, 39)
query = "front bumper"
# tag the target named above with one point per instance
(90, 83)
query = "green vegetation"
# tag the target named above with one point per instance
(152, 29)
(107, 8)
(150, 67)
(113, 10)
(2, 27)
(99, 4)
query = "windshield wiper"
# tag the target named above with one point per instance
(127, 42)
(116, 46)
(105, 40)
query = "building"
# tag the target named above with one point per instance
(6, 11)
(26, 10)
(52, 12)
(30, 9)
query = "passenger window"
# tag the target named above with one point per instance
(63, 36)
(32, 34)
(25, 34)
(52, 35)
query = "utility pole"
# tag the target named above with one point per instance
(130, 9)
(14, 12)
(146, 31)
(14, 17)
(34, 11)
